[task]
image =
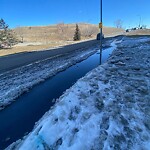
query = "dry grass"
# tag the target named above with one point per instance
(30, 48)
(19, 49)
(59, 32)
(45, 37)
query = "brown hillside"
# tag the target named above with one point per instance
(61, 32)
(44, 37)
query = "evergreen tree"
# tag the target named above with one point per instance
(77, 34)
(3, 25)
(7, 38)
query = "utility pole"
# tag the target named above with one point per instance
(101, 31)
(140, 22)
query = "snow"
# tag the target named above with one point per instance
(107, 109)
(16, 82)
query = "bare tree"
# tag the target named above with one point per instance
(63, 31)
(144, 26)
(89, 30)
(118, 23)
(60, 27)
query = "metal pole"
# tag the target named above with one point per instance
(101, 32)
(140, 22)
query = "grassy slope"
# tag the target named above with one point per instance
(44, 37)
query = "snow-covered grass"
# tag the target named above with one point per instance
(107, 109)
(16, 82)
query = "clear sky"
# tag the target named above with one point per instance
(46, 12)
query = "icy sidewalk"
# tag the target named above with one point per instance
(107, 109)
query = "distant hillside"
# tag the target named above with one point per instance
(61, 32)
(36, 38)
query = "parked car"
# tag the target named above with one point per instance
(98, 36)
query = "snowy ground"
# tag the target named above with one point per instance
(16, 82)
(107, 109)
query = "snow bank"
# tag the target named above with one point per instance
(107, 109)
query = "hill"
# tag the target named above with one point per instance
(61, 32)
(44, 37)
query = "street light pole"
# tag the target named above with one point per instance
(101, 31)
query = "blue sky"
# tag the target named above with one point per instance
(46, 12)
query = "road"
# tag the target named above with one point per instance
(13, 61)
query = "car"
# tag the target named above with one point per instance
(98, 36)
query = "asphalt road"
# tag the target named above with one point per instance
(13, 61)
